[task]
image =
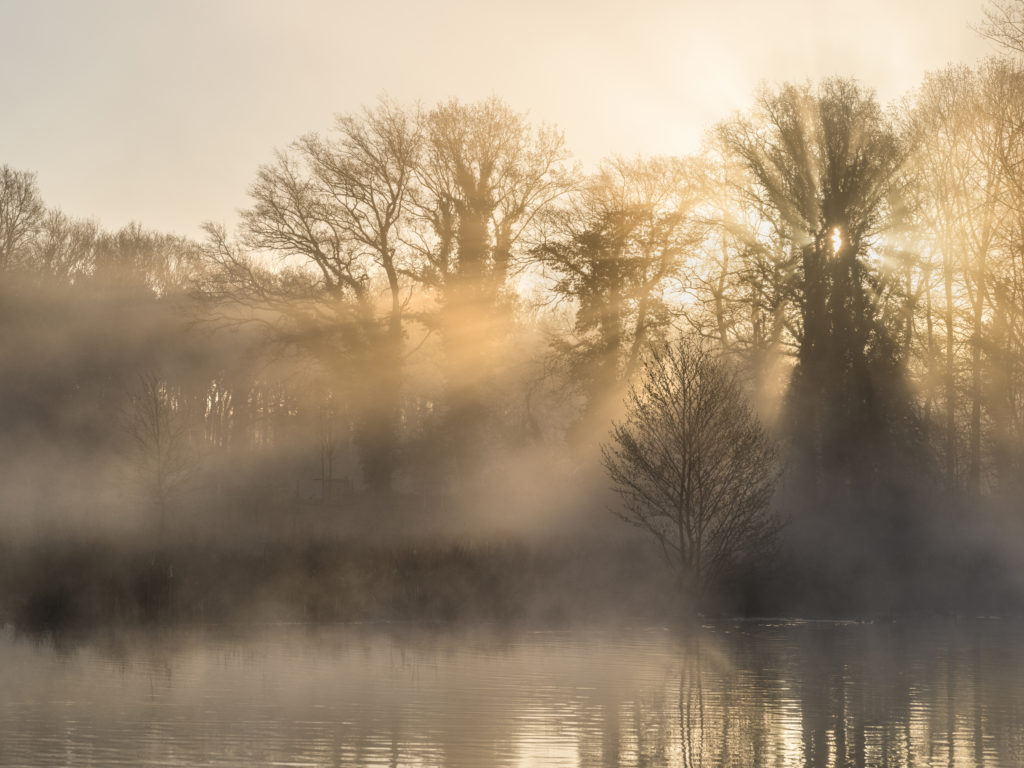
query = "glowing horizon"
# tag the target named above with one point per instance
(161, 113)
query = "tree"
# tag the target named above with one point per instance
(1005, 342)
(1004, 24)
(484, 177)
(824, 177)
(335, 206)
(366, 170)
(21, 213)
(63, 248)
(156, 423)
(964, 121)
(617, 247)
(289, 310)
(364, 173)
(142, 262)
(742, 290)
(693, 465)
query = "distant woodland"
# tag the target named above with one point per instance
(428, 320)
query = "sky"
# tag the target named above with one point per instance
(161, 111)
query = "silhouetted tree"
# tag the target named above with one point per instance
(962, 122)
(291, 314)
(824, 176)
(366, 169)
(1004, 24)
(135, 260)
(484, 177)
(616, 249)
(157, 425)
(335, 206)
(64, 248)
(692, 464)
(21, 213)
(742, 292)
(1004, 341)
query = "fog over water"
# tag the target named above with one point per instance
(767, 694)
(462, 384)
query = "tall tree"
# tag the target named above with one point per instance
(336, 205)
(968, 127)
(484, 177)
(824, 176)
(365, 171)
(743, 294)
(21, 213)
(1005, 99)
(1004, 24)
(619, 248)
(64, 248)
(157, 425)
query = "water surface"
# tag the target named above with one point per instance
(733, 694)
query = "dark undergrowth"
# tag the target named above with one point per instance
(72, 587)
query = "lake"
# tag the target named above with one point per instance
(783, 693)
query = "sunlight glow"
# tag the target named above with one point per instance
(837, 241)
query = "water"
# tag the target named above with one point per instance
(736, 694)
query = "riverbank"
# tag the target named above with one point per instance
(78, 585)
(74, 586)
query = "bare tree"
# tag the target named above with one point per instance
(693, 465)
(157, 424)
(329, 211)
(145, 261)
(21, 213)
(967, 131)
(64, 247)
(365, 170)
(1004, 24)
(484, 177)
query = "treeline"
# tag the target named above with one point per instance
(419, 301)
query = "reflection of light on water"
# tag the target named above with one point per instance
(785, 695)
(540, 746)
(551, 732)
(786, 721)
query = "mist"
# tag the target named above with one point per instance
(448, 372)
(429, 319)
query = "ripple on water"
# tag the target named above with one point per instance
(777, 693)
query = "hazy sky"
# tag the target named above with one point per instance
(160, 112)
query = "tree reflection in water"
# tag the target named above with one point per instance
(828, 696)
(780, 695)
